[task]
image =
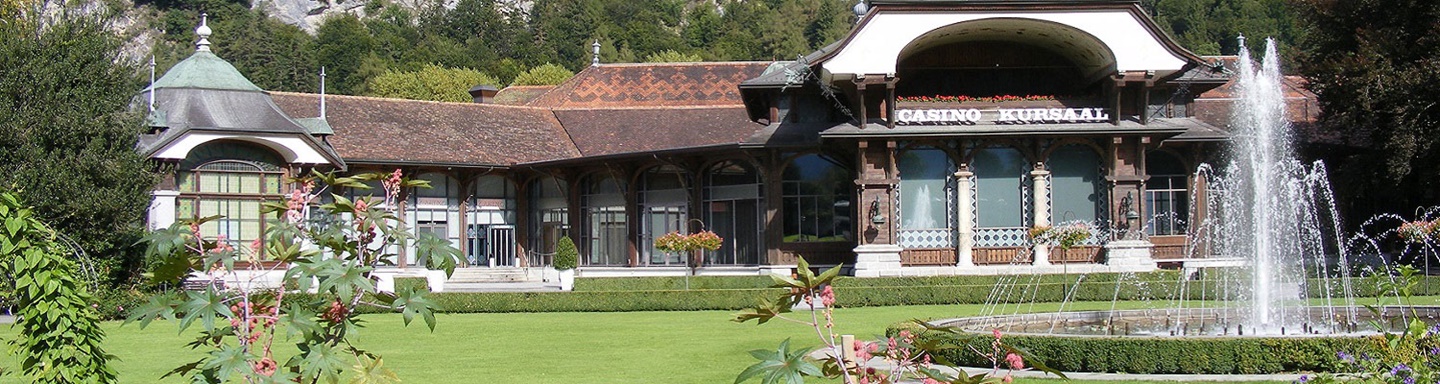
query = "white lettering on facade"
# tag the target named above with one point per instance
(1000, 116)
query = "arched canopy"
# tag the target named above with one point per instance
(878, 45)
(1003, 56)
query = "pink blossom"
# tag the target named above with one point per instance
(1015, 361)
(827, 297)
(1008, 378)
(930, 381)
(997, 333)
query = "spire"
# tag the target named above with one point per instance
(152, 83)
(204, 32)
(595, 54)
(322, 92)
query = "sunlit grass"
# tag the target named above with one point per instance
(627, 347)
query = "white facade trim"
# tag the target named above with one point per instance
(876, 48)
(293, 149)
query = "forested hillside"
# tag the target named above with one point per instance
(503, 38)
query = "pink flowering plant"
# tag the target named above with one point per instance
(1409, 356)
(1419, 231)
(241, 324)
(908, 356)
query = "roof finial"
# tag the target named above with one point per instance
(322, 92)
(860, 9)
(152, 83)
(204, 32)
(595, 54)
(1242, 40)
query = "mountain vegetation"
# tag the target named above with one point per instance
(503, 38)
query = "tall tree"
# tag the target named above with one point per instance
(342, 45)
(1375, 66)
(69, 144)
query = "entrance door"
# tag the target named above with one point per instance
(501, 247)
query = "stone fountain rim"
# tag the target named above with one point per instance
(1429, 311)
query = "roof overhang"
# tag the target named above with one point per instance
(293, 148)
(1120, 28)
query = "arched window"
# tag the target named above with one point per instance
(231, 179)
(664, 207)
(1000, 175)
(925, 199)
(733, 210)
(1077, 190)
(1167, 196)
(816, 200)
(549, 213)
(602, 207)
(490, 223)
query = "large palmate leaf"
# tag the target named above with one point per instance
(204, 305)
(764, 311)
(436, 253)
(781, 365)
(414, 302)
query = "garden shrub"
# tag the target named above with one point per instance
(566, 255)
(1163, 355)
(403, 284)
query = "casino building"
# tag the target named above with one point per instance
(929, 140)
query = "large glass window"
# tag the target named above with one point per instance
(1000, 174)
(816, 200)
(923, 176)
(1167, 195)
(549, 214)
(1076, 189)
(732, 210)
(233, 190)
(603, 210)
(663, 207)
(435, 210)
(490, 222)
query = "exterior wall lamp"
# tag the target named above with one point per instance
(876, 217)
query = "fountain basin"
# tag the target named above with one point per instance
(1095, 342)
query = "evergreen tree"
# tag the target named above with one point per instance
(342, 46)
(69, 143)
(1374, 65)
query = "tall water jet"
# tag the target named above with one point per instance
(1273, 213)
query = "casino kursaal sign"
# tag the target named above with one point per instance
(970, 116)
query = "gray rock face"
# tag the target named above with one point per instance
(310, 14)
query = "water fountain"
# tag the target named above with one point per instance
(1272, 215)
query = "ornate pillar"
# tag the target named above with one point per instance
(162, 209)
(964, 182)
(1040, 196)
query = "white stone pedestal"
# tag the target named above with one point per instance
(162, 209)
(875, 260)
(1130, 255)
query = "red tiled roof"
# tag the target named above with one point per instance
(1301, 106)
(411, 131)
(704, 84)
(520, 94)
(599, 132)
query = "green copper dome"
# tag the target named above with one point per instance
(204, 70)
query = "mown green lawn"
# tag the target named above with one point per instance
(628, 347)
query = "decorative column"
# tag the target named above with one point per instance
(1040, 176)
(162, 209)
(965, 253)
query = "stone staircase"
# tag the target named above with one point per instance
(498, 279)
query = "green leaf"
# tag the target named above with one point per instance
(229, 360)
(204, 305)
(372, 371)
(413, 302)
(765, 310)
(780, 365)
(320, 361)
(158, 306)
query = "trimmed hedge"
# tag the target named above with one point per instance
(501, 302)
(670, 283)
(621, 294)
(1163, 355)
